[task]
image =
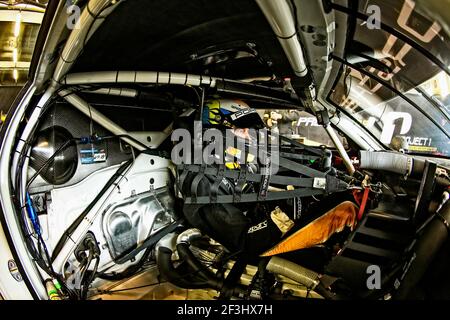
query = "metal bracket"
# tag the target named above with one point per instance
(320, 183)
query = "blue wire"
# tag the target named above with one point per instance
(37, 228)
(32, 215)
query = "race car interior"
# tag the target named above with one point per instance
(105, 212)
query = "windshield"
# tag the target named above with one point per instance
(395, 82)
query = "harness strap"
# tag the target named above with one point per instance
(196, 182)
(216, 185)
(363, 203)
(300, 168)
(183, 168)
(253, 177)
(240, 184)
(295, 156)
(254, 197)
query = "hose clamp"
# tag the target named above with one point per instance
(188, 235)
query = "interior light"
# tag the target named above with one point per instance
(17, 25)
(15, 55)
(15, 74)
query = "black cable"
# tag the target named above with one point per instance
(128, 289)
(85, 266)
(94, 271)
(199, 98)
(86, 282)
(45, 266)
(48, 161)
(96, 17)
(29, 243)
(37, 254)
(47, 256)
(75, 89)
(76, 223)
(81, 88)
(86, 276)
(128, 137)
(143, 286)
(67, 143)
(294, 7)
(129, 271)
(202, 103)
(38, 258)
(91, 122)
